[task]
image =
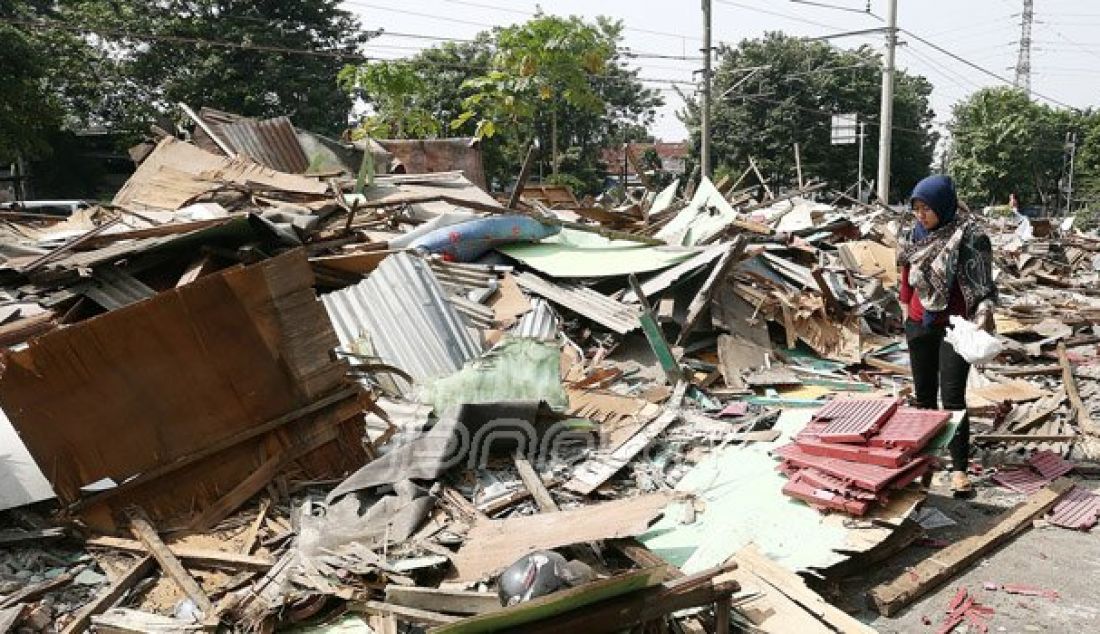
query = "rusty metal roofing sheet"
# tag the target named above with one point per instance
(1049, 464)
(1078, 509)
(910, 427)
(271, 142)
(402, 315)
(866, 476)
(854, 420)
(600, 308)
(113, 288)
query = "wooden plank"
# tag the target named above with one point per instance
(793, 587)
(438, 600)
(126, 621)
(8, 617)
(534, 484)
(701, 301)
(894, 595)
(259, 478)
(403, 613)
(110, 595)
(655, 336)
(191, 554)
(16, 536)
(247, 434)
(1080, 410)
(592, 473)
(36, 591)
(144, 531)
(985, 439)
(521, 182)
(254, 529)
(493, 545)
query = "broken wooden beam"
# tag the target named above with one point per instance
(254, 529)
(402, 613)
(144, 531)
(439, 600)
(524, 170)
(989, 439)
(792, 586)
(36, 591)
(533, 483)
(106, 599)
(191, 554)
(702, 299)
(1080, 410)
(892, 596)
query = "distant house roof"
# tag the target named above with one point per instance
(668, 151)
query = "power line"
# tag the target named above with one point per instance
(429, 16)
(981, 69)
(787, 16)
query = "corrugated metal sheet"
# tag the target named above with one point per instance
(661, 281)
(405, 317)
(113, 288)
(853, 420)
(910, 427)
(1023, 480)
(1078, 509)
(601, 309)
(540, 323)
(271, 142)
(1050, 465)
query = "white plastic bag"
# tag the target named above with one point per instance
(972, 343)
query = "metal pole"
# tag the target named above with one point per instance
(705, 118)
(886, 120)
(859, 183)
(1069, 183)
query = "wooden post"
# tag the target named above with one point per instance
(524, 171)
(144, 531)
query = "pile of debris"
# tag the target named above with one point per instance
(274, 383)
(854, 451)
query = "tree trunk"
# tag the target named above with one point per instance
(554, 141)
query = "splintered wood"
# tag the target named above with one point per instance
(492, 545)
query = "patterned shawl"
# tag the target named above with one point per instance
(946, 255)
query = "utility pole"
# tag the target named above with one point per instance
(859, 183)
(886, 118)
(704, 144)
(1071, 145)
(1023, 61)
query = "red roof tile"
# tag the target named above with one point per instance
(910, 427)
(867, 476)
(1077, 509)
(798, 488)
(854, 420)
(1049, 464)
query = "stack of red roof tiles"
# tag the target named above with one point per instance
(854, 451)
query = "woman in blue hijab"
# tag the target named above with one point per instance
(946, 269)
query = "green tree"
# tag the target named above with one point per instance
(626, 106)
(779, 90)
(396, 90)
(1002, 142)
(258, 58)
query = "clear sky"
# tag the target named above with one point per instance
(1065, 56)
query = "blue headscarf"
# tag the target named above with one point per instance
(938, 192)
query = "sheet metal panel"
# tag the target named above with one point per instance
(271, 142)
(402, 314)
(600, 308)
(1078, 509)
(1049, 464)
(538, 323)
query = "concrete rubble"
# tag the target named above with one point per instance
(282, 386)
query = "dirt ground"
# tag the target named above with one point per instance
(1046, 557)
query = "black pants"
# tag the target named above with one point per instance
(939, 371)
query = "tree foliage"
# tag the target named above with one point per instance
(509, 85)
(1002, 142)
(773, 92)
